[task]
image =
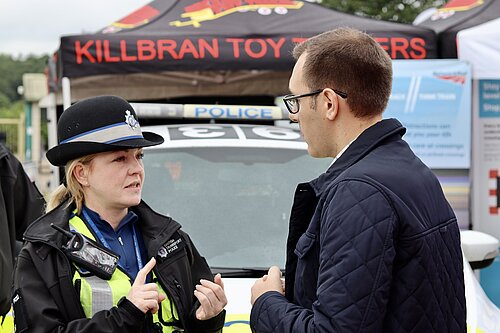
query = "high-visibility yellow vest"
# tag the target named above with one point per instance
(7, 323)
(97, 294)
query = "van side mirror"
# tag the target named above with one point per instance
(479, 248)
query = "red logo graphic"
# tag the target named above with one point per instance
(494, 198)
(140, 17)
(207, 10)
(460, 79)
(461, 5)
(453, 6)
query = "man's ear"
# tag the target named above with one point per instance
(332, 103)
(80, 172)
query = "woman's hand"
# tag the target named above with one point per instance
(211, 296)
(145, 296)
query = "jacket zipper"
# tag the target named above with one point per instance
(170, 295)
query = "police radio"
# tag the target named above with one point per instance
(89, 254)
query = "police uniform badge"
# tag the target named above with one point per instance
(130, 120)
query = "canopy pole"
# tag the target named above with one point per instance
(52, 139)
(66, 92)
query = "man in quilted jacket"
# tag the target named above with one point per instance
(373, 245)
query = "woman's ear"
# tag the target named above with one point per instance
(80, 172)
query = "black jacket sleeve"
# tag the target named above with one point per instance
(20, 204)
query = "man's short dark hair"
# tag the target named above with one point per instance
(351, 61)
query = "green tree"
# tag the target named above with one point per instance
(11, 76)
(12, 70)
(402, 11)
(4, 100)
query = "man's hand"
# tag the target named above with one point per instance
(270, 282)
(212, 298)
(144, 295)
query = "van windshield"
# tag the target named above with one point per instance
(234, 202)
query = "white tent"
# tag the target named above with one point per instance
(480, 46)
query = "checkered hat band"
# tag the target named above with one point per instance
(108, 134)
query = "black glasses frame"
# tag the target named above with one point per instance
(288, 99)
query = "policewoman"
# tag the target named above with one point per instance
(135, 270)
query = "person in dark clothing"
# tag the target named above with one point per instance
(20, 204)
(373, 244)
(142, 273)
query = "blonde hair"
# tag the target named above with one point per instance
(72, 189)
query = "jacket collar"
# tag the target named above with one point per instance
(153, 226)
(40, 229)
(372, 137)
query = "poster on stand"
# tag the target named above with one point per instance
(486, 156)
(432, 99)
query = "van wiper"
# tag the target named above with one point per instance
(248, 272)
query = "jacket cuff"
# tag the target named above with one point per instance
(260, 303)
(128, 306)
(214, 324)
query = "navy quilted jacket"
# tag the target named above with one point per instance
(373, 246)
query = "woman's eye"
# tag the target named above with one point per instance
(119, 159)
(140, 156)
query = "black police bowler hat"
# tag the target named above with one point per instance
(96, 125)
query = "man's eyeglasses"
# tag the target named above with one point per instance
(292, 101)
